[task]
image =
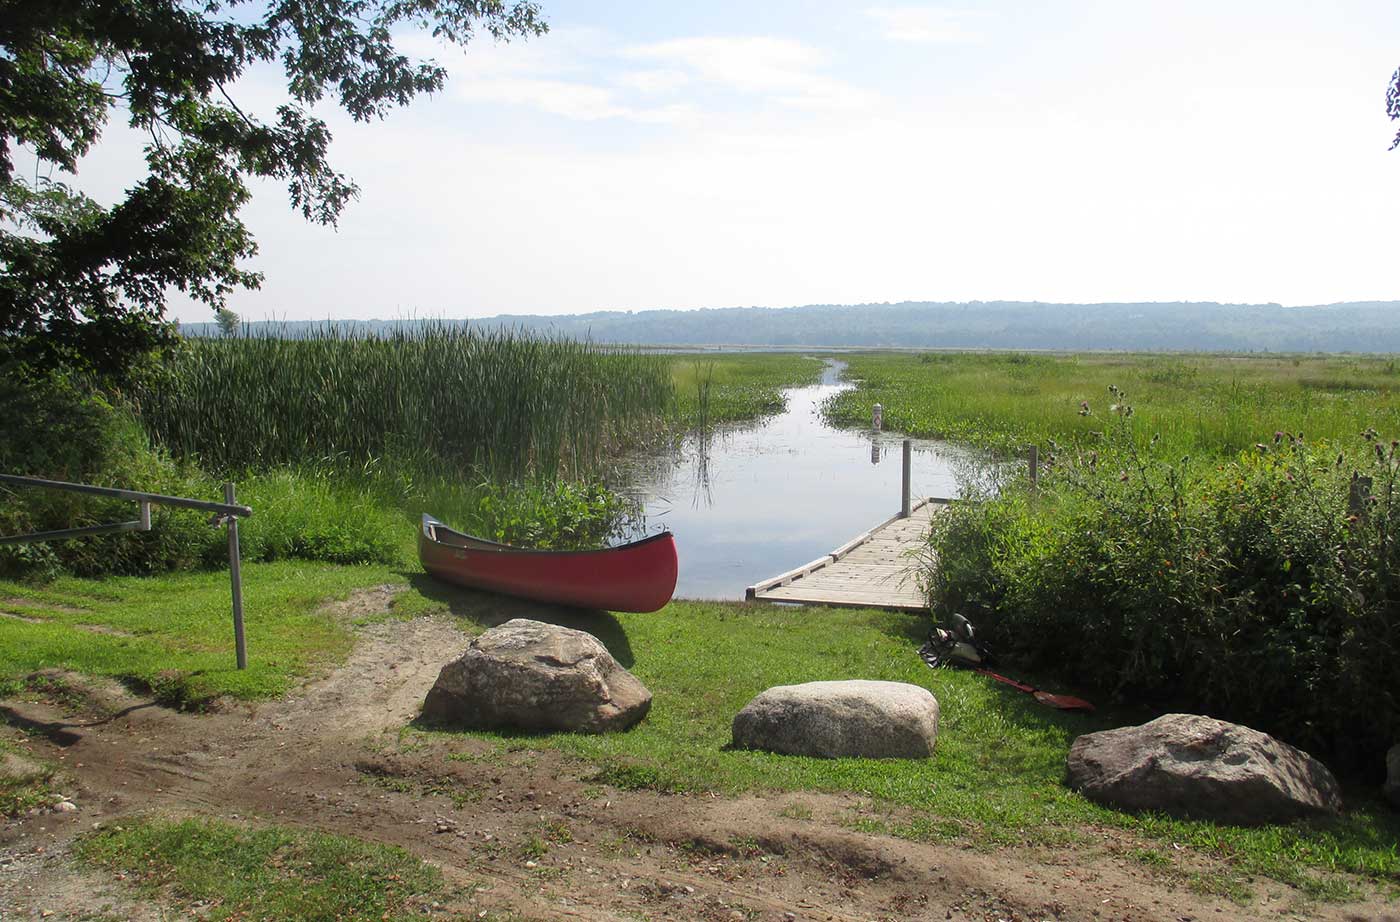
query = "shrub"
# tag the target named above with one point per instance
(58, 428)
(315, 515)
(1254, 589)
(61, 430)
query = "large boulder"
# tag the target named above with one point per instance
(873, 720)
(529, 675)
(1392, 775)
(1192, 766)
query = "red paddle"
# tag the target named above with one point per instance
(1062, 702)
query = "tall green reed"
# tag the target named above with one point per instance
(442, 397)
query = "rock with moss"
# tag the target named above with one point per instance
(1199, 767)
(528, 675)
(856, 717)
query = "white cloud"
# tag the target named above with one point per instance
(559, 52)
(653, 82)
(566, 74)
(583, 102)
(784, 70)
(552, 80)
(579, 101)
(927, 25)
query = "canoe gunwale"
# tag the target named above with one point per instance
(431, 526)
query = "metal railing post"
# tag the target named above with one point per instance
(239, 645)
(228, 511)
(904, 488)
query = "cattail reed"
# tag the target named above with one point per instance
(442, 397)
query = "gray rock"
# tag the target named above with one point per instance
(529, 675)
(874, 720)
(1193, 766)
(1392, 775)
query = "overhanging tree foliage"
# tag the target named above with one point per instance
(1392, 103)
(85, 285)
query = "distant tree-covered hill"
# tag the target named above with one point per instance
(1361, 326)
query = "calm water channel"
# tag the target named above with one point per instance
(750, 503)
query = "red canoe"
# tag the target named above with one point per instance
(640, 576)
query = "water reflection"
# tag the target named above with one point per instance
(749, 503)
(702, 495)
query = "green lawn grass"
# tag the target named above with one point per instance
(997, 776)
(1200, 404)
(174, 634)
(25, 782)
(234, 872)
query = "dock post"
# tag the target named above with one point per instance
(904, 489)
(1033, 463)
(240, 648)
(877, 418)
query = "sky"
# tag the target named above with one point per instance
(719, 154)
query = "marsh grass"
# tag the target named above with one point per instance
(341, 442)
(736, 387)
(1199, 404)
(452, 398)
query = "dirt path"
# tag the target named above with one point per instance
(526, 832)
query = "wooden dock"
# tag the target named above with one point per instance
(875, 570)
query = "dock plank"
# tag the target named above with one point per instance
(878, 569)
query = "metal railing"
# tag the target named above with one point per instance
(228, 512)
